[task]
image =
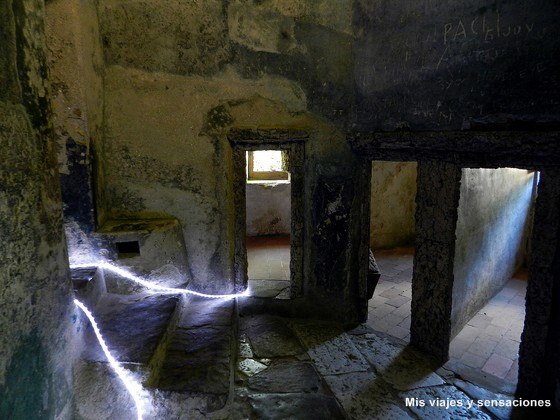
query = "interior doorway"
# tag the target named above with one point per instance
(392, 230)
(486, 349)
(268, 250)
(268, 223)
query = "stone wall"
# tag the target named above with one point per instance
(393, 191)
(179, 75)
(75, 62)
(167, 157)
(35, 289)
(492, 229)
(450, 65)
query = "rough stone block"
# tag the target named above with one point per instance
(330, 348)
(271, 337)
(295, 406)
(286, 378)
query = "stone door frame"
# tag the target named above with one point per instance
(292, 142)
(441, 156)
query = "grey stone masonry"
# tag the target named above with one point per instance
(432, 285)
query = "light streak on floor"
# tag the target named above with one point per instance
(155, 287)
(134, 389)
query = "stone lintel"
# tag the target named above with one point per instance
(483, 149)
(256, 137)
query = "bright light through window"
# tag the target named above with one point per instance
(267, 161)
(267, 165)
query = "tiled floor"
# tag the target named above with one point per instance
(389, 309)
(489, 343)
(268, 265)
(490, 340)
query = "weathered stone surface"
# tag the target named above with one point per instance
(197, 360)
(478, 393)
(204, 312)
(161, 257)
(131, 325)
(175, 405)
(393, 186)
(539, 365)
(295, 406)
(378, 351)
(330, 348)
(286, 378)
(494, 214)
(37, 335)
(189, 38)
(100, 394)
(363, 396)
(244, 350)
(251, 367)
(271, 337)
(403, 368)
(437, 200)
(89, 285)
(443, 395)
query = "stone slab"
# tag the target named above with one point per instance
(364, 396)
(200, 312)
(442, 395)
(295, 406)
(478, 393)
(330, 348)
(271, 337)
(286, 378)
(251, 367)
(197, 360)
(132, 326)
(99, 393)
(403, 368)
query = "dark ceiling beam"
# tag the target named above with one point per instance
(489, 149)
(258, 136)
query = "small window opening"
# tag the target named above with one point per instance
(267, 165)
(128, 249)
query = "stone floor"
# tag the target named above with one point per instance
(268, 266)
(222, 359)
(487, 346)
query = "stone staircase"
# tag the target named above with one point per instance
(222, 359)
(182, 348)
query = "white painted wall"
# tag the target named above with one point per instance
(494, 219)
(268, 209)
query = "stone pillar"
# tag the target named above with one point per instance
(437, 201)
(539, 362)
(240, 228)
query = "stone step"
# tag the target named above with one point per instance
(89, 284)
(132, 326)
(197, 357)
